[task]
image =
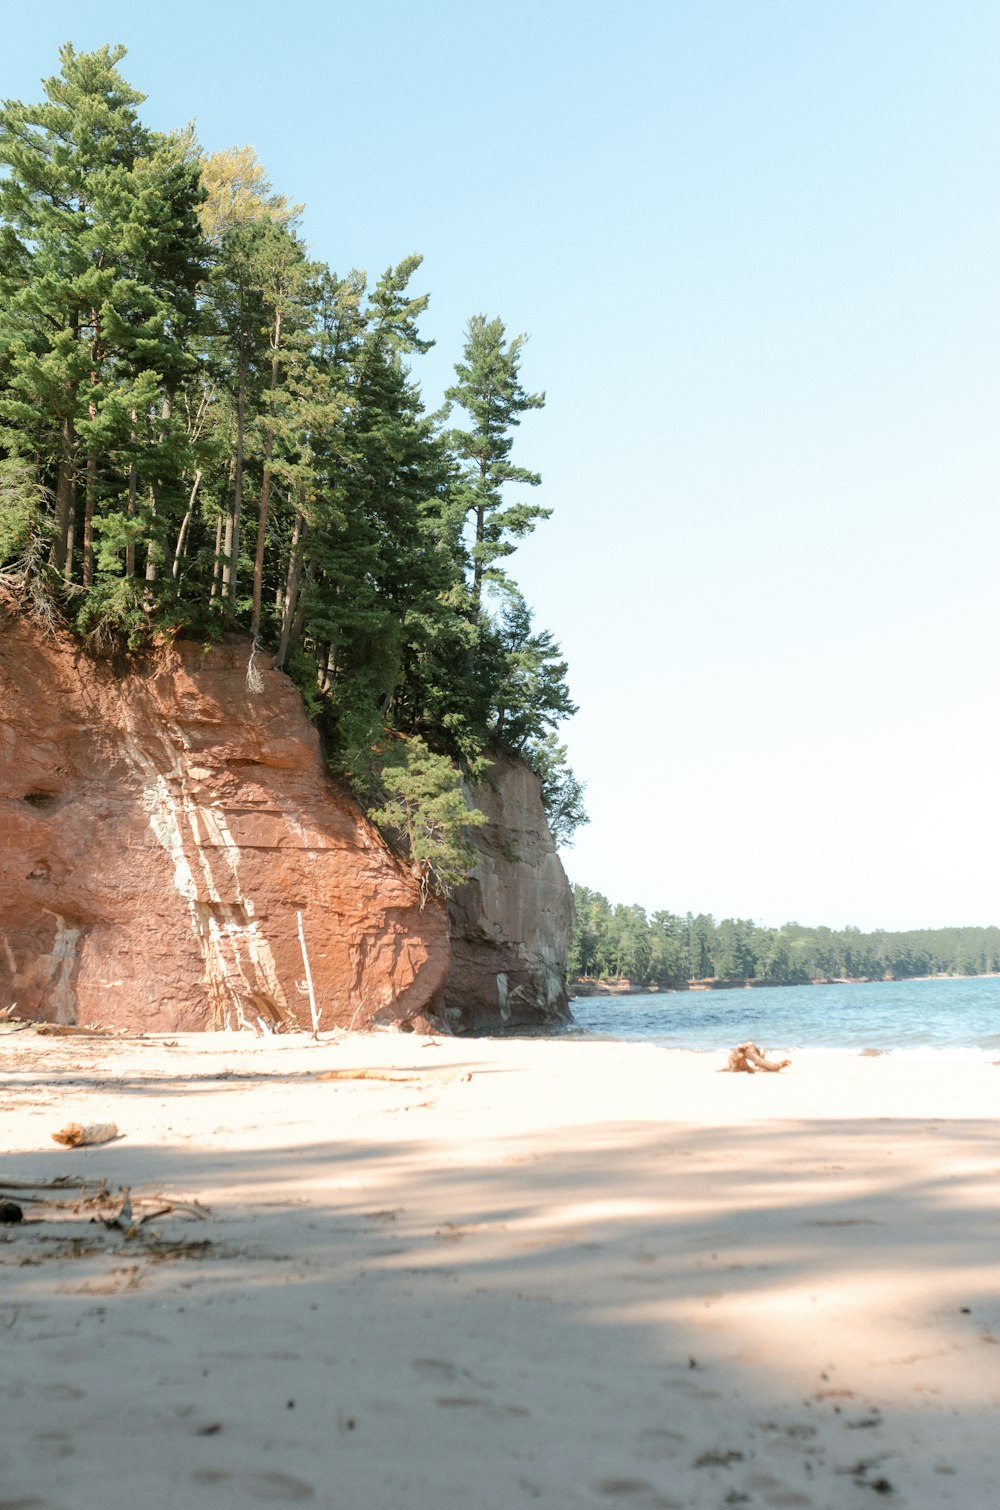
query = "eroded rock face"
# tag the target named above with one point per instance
(160, 829)
(511, 924)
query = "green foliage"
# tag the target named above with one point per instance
(489, 389)
(527, 678)
(114, 615)
(202, 431)
(615, 941)
(426, 809)
(562, 793)
(21, 501)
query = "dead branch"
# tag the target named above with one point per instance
(365, 1075)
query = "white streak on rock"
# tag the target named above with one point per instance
(240, 970)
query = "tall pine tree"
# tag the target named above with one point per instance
(489, 389)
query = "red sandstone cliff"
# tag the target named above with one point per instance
(161, 827)
(159, 831)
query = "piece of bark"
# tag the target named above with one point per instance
(749, 1058)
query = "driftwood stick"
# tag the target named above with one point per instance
(368, 1075)
(750, 1058)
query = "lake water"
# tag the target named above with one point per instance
(958, 1016)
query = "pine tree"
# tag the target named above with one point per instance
(99, 255)
(489, 389)
(177, 379)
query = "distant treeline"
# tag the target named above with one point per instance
(613, 940)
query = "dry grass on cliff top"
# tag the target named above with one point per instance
(497, 1272)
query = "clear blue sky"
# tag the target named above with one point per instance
(756, 245)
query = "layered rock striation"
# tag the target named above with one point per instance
(162, 828)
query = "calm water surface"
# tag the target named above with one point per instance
(914, 1016)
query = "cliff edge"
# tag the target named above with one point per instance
(162, 829)
(511, 923)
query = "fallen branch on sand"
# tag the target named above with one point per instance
(70, 1030)
(750, 1058)
(398, 1076)
(75, 1135)
(365, 1075)
(93, 1199)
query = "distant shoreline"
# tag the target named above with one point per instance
(610, 986)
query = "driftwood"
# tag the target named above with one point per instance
(75, 1135)
(367, 1075)
(750, 1058)
(428, 1076)
(82, 1197)
(69, 1030)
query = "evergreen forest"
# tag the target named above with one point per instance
(622, 942)
(205, 432)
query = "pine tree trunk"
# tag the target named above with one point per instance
(151, 547)
(90, 498)
(232, 544)
(217, 561)
(477, 565)
(291, 591)
(133, 491)
(185, 525)
(265, 487)
(90, 493)
(62, 548)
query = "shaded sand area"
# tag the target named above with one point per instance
(523, 1272)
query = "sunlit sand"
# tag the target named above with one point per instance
(563, 1272)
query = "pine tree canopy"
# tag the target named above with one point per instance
(203, 430)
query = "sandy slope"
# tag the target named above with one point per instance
(564, 1273)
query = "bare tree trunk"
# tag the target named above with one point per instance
(133, 492)
(185, 525)
(328, 668)
(90, 498)
(62, 545)
(232, 544)
(291, 591)
(265, 487)
(90, 493)
(70, 539)
(151, 547)
(217, 563)
(477, 565)
(300, 611)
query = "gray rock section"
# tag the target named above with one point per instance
(511, 922)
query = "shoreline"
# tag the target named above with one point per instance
(609, 986)
(484, 1272)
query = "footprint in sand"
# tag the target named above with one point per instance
(64, 1393)
(269, 1488)
(276, 1488)
(57, 1444)
(433, 1368)
(773, 1492)
(642, 1494)
(659, 1442)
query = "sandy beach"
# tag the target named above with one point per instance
(564, 1273)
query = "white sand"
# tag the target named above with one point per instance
(589, 1275)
